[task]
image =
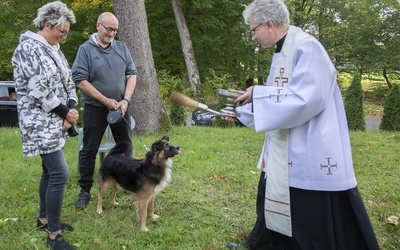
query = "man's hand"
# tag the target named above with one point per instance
(111, 104)
(124, 106)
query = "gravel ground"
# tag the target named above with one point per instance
(372, 122)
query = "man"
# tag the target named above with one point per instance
(307, 194)
(105, 73)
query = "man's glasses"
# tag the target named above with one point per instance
(253, 31)
(109, 29)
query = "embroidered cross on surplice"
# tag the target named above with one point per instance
(330, 167)
(281, 80)
(278, 95)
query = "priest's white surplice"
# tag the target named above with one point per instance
(304, 100)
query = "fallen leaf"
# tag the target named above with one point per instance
(8, 219)
(159, 210)
(234, 237)
(393, 220)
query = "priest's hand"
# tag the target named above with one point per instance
(246, 97)
(228, 118)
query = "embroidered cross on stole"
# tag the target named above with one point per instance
(277, 196)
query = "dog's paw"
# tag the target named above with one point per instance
(115, 203)
(99, 209)
(144, 230)
(155, 217)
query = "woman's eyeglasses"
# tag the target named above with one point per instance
(63, 32)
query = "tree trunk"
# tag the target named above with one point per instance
(261, 81)
(384, 73)
(187, 49)
(146, 107)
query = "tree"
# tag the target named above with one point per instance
(389, 40)
(361, 35)
(391, 112)
(187, 48)
(147, 106)
(219, 35)
(354, 104)
(17, 18)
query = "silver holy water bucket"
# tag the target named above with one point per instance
(228, 97)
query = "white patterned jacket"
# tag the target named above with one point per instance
(40, 71)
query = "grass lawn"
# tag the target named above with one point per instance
(210, 201)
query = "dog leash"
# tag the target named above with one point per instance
(144, 145)
(147, 149)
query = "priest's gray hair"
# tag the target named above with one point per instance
(263, 11)
(56, 13)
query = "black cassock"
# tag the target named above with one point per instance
(327, 221)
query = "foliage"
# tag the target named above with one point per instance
(220, 44)
(177, 115)
(210, 201)
(214, 82)
(168, 84)
(358, 35)
(354, 104)
(391, 111)
(17, 17)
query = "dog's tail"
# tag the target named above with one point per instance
(122, 148)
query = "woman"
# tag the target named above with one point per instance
(44, 88)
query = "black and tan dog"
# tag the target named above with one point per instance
(144, 177)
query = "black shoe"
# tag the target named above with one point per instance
(64, 226)
(83, 200)
(58, 243)
(236, 246)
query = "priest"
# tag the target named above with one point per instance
(307, 194)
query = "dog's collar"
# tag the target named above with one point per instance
(143, 161)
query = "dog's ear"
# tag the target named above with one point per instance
(158, 145)
(165, 137)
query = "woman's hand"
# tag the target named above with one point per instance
(72, 116)
(66, 125)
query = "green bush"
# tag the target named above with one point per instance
(168, 84)
(391, 110)
(354, 104)
(177, 115)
